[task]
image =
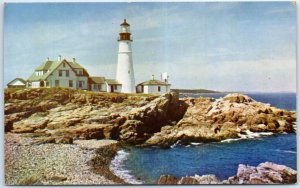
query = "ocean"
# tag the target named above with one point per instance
(145, 165)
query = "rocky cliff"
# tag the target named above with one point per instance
(233, 116)
(59, 115)
(264, 173)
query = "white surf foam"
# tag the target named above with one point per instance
(231, 139)
(295, 126)
(285, 151)
(249, 135)
(196, 143)
(117, 167)
(174, 145)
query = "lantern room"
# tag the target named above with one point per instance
(125, 31)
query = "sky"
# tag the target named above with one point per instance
(229, 46)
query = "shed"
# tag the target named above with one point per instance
(17, 83)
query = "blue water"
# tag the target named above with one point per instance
(221, 159)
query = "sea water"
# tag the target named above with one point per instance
(145, 165)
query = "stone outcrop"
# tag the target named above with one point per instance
(188, 180)
(140, 123)
(167, 180)
(58, 115)
(53, 115)
(264, 173)
(234, 116)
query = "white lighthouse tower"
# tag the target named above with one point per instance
(125, 73)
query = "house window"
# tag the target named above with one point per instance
(95, 86)
(158, 88)
(115, 87)
(67, 73)
(80, 84)
(79, 72)
(64, 64)
(70, 83)
(60, 73)
(56, 83)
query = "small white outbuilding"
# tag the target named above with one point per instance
(17, 83)
(153, 86)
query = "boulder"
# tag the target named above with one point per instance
(264, 173)
(167, 180)
(188, 181)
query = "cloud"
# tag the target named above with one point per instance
(221, 46)
(261, 75)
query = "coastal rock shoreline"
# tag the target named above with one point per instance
(57, 115)
(264, 173)
(63, 118)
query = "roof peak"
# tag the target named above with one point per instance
(125, 23)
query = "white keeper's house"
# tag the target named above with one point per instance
(70, 74)
(60, 73)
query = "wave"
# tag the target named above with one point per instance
(195, 143)
(231, 139)
(117, 167)
(295, 126)
(286, 151)
(174, 145)
(249, 135)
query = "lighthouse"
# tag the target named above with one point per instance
(125, 73)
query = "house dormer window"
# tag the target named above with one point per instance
(64, 64)
(38, 73)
